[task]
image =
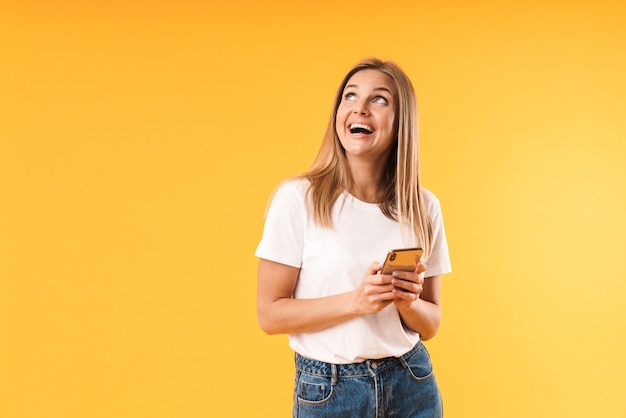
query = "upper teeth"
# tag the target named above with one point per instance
(362, 126)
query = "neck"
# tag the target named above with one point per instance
(366, 183)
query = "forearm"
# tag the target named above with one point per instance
(421, 316)
(295, 316)
(280, 313)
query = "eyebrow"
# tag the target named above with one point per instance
(375, 89)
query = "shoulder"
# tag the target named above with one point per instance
(429, 198)
(431, 201)
(294, 186)
(290, 191)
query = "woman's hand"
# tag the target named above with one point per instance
(417, 300)
(375, 292)
(408, 286)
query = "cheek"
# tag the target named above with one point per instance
(393, 122)
(342, 111)
(339, 129)
(388, 122)
(340, 119)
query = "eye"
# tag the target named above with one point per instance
(349, 96)
(380, 100)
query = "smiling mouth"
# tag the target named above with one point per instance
(360, 128)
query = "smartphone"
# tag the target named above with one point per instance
(403, 259)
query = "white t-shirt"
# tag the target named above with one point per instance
(334, 260)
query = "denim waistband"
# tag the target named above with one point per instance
(364, 368)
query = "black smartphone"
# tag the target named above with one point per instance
(403, 259)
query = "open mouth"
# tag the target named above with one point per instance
(360, 128)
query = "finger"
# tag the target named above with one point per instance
(381, 298)
(378, 288)
(379, 306)
(374, 268)
(400, 294)
(407, 285)
(409, 276)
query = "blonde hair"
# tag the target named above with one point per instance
(401, 197)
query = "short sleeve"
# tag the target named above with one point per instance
(283, 233)
(439, 260)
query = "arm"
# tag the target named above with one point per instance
(280, 313)
(418, 301)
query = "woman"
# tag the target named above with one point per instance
(357, 333)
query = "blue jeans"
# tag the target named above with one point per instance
(399, 387)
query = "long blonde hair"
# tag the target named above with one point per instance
(402, 198)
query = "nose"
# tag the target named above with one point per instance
(360, 107)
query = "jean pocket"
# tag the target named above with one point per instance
(313, 389)
(419, 365)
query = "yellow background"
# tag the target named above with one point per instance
(139, 142)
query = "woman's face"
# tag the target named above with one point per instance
(366, 115)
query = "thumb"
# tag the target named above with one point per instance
(374, 268)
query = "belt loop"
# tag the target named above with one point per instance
(403, 361)
(412, 351)
(333, 380)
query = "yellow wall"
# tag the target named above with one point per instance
(139, 143)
